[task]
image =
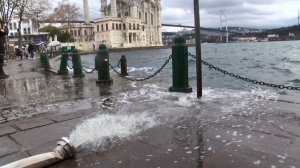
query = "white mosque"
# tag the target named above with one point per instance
(123, 24)
(129, 23)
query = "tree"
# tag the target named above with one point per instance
(29, 9)
(66, 12)
(65, 37)
(51, 29)
(7, 7)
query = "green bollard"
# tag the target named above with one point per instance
(76, 60)
(123, 66)
(42, 58)
(102, 65)
(63, 64)
(46, 63)
(180, 66)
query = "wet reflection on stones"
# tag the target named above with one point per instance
(105, 89)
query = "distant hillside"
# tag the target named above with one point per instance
(282, 32)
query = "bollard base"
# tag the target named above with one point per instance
(104, 81)
(125, 74)
(78, 76)
(62, 71)
(181, 90)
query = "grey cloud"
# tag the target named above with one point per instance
(245, 13)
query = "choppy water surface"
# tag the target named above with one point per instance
(126, 108)
(258, 61)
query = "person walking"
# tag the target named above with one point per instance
(19, 53)
(30, 50)
(3, 33)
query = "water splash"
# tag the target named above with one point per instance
(103, 131)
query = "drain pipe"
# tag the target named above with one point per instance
(63, 150)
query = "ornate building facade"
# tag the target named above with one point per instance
(129, 23)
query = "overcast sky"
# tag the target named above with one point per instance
(242, 13)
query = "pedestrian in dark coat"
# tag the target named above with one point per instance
(3, 33)
(31, 50)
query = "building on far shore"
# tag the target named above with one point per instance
(80, 32)
(272, 36)
(124, 23)
(129, 23)
(244, 39)
(28, 30)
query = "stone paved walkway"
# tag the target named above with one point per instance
(266, 137)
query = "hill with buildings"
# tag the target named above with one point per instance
(284, 33)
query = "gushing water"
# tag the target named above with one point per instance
(104, 130)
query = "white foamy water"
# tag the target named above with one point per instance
(150, 106)
(102, 131)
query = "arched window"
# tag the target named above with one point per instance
(97, 27)
(117, 28)
(129, 26)
(151, 19)
(113, 26)
(143, 27)
(120, 26)
(146, 18)
(140, 15)
(133, 26)
(124, 26)
(78, 32)
(102, 27)
(138, 27)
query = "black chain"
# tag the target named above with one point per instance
(246, 79)
(118, 65)
(68, 64)
(88, 68)
(147, 78)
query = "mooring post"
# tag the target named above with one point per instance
(77, 67)
(42, 59)
(102, 65)
(180, 66)
(63, 64)
(123, 66)
(46, 63)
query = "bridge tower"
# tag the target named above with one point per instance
(223, 18)
(298, 16)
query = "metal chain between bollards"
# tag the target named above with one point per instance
(246, 79)
(68, 64)
(118, 65)
(93, 69)
(88, 68)
(147, 78)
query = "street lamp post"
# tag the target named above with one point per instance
(198, 48)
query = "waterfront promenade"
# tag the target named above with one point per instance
(38, 108)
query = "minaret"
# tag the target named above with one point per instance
(133, 8)
(159, 8)
(103, 6)
(113, 8)
(86, 12)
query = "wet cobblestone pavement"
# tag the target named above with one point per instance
(226, 128)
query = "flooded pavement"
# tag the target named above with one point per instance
(141, 124)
